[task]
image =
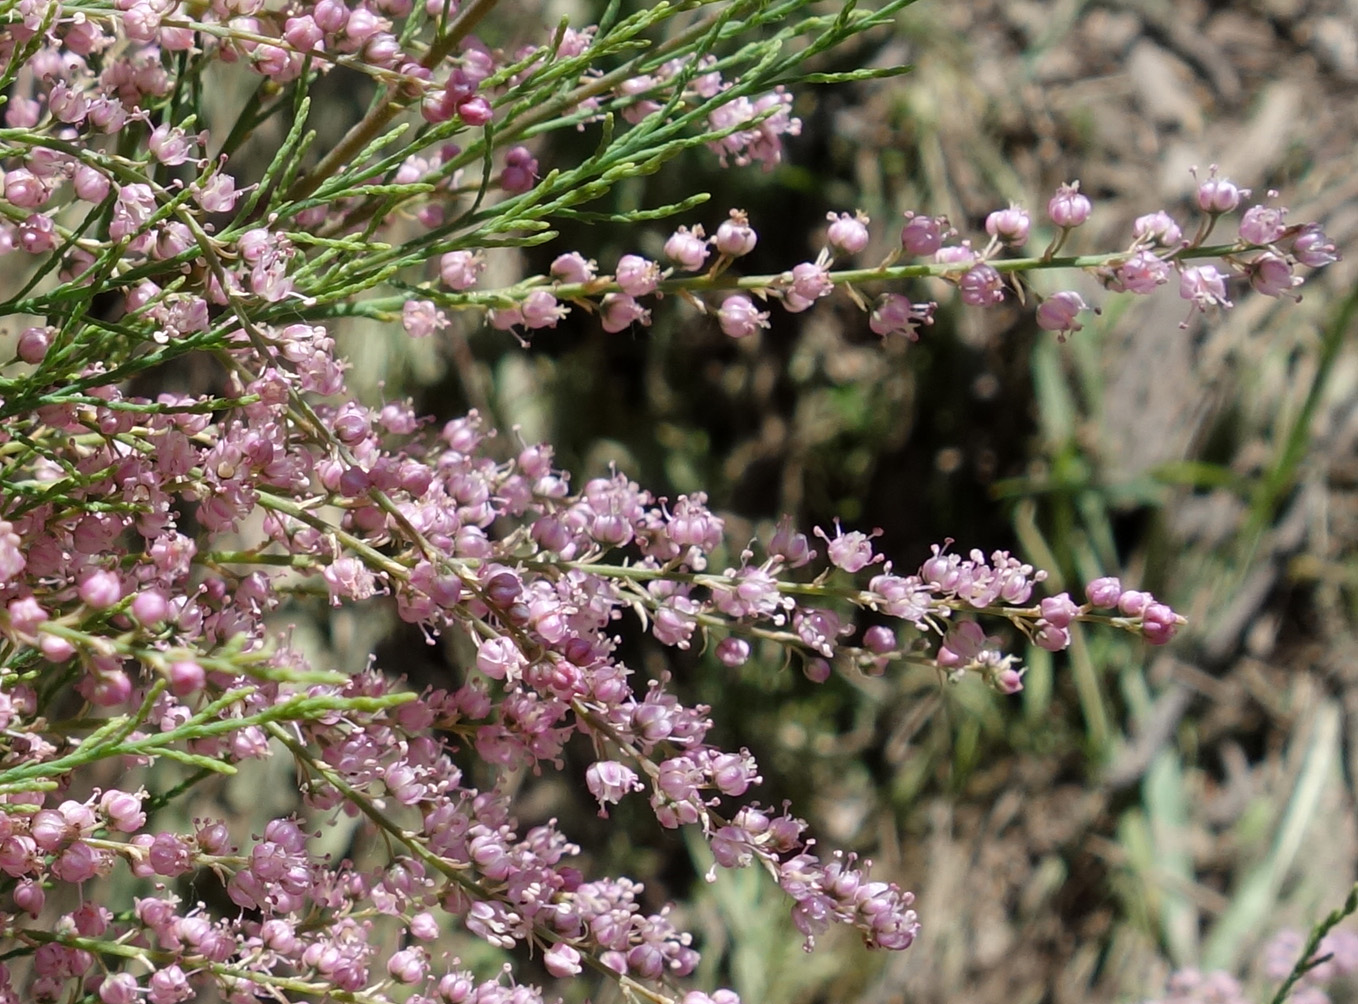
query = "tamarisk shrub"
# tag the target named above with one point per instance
(147, 541)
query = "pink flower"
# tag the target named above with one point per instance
(896, 315)
(1157, 228)
(460, 270)
(923, 235)
(562, 961)
(735, 237)
(170, 145)
(733, 652)
(1068, 208)
(1313, 248)
(1141, 273)
(120, 988)
(637, 276)
(807, 282)
(520, 170)
(739, 318)
(540, 309)
(1204, 285)
(12, 559)
(1262, 224)
(421, 318)
(960, 255)
(982, 286)
(687, 248)
(847, 234)
(618, 312)
(1271, 274)
(1009, 226)
(608, 781)
(1059, 311)
(24, 189)
(573, 267)
(1218, 195)
(850, 551)
(408, 966)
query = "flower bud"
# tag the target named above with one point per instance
(1219, 195)
(1009, 226)
(922, 235)
(1058, 312)
(735, 237)
(739, 318)
(847, 234)
(687, 248)
(1068, 208)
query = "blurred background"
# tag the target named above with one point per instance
(1134, 809)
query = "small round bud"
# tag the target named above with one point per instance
(739, 318)
(735, 237)
(1059, 610)
(817, 670)
(150, 608)
(1104, 592)
(1158, 623)
(847, 234)
(922, 235)
(573, 267)
(1219, 195)
(186, 677)
(1009, 226)
(733, 652)
(1157, 228)
(520, 170)
(101, 590)
(1059, 311)
(879, 639)
(1068, 208)
(1262, 224)
(33, 345)
(982, 286)
(687, 248)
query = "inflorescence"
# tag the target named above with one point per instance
(147, 542)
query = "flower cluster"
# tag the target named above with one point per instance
(148, 540)
(1265, 254)
(165, 635)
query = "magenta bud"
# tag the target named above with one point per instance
(735, 237)
(186, 677)
(1009, 226)
(150, 608)
(817, 670)
(1068, 208)
(1104, 592)
(879, 639)
(33, 345)
(733, 652)
(847, 234)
